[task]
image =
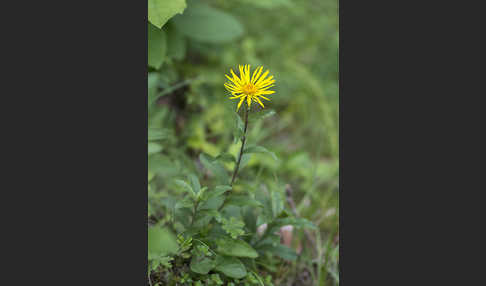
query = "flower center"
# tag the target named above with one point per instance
(249, 89)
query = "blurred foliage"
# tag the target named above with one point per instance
(193, 143)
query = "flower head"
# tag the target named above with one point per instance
(249, 88)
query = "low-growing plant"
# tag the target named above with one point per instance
(216, 193)
(218, 241)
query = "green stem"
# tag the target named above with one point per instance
(237, 167)
(235, 172)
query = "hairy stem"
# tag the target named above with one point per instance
(241, 149)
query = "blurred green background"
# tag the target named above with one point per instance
(190, 113)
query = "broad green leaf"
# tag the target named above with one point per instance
(157, 46)
(281, 251)
(176, 44)
(244, 160)
(250, 219)
(260, 149)
(186, 187)
(160, 11)
(203, 217)
(202, 265)
(154, 148)
(231, 267)
(185, 203)
(161, 241)
(243, 200)
(233, 227)
(157, 134)
(212, 203)
(215, 167)
(161, 165)
(235, 247)
(196, 186)
(218, 191)
(153, 80)
(261, 116)
(238, 130)
(206, 24)
(226, 157)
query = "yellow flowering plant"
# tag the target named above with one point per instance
(212, 238)
(251, 87)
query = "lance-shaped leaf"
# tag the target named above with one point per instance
(260, 149)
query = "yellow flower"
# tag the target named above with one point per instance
(250, 88)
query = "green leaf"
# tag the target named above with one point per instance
(244, 160)
(243, 200)
(204, 217)
(226, 157)
(262, 115)
(153, 80)
(160, 11)
(238, 130)
(206, 24)
(277, 203)
(202, 265)
(185, 203)
(186, 187)
(161, 164)
(157, 134)
(176, 44)
(235, 247)
(154, 148)
(233, 227)
(157, 46)
(231, 267)
(215, 167)
(196, 186)
(281, 251)
(161, 241)
(212, 203)
(260, 149)
(218, 191)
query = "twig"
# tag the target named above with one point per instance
(290, 200)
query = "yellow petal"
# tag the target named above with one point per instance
(248, 100)
(239, 103)
(262, 78)
(265, 92)
(231, 88)
(267, 87)
(258, 100)
(233, 80)
(264, 97)
(242, 75)
(256, 75)
(247, 74)
(265, 83)
(235, 77)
